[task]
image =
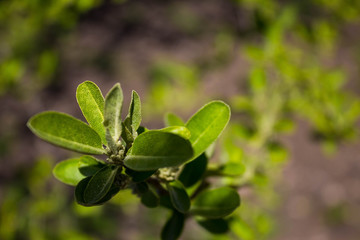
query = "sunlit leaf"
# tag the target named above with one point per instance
(173, 120)
(68, 171)
(179, 197)
(112, 112)
(66, 131)
(207, 124)
(155, 149)
(91, 103)
(178, 130)
(173, 227)
(216, 203)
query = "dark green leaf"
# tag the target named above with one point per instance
(179, 197)
(165, 201)
(91, 103)
(80, 189)
(173, 227)
(135, 112)
(65, 131)
(173, 120)
(139, 176)
(215, 226)
(150, 198)
(112, 112)
(141, 130)
(193, 171)
(155, 149)
(100, 184)
(207, 124)
(216, 203)
(178, 130)
(68, 171)
(89, 165)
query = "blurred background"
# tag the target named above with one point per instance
(288, 69)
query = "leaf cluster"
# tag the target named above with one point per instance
(164, 167)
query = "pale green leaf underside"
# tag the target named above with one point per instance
(68, 172)
(155, 149)
(91, 103)
(207, 124)
(66, 131)
(112, 112)
(135, 111)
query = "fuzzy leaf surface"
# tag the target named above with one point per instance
(178, 130)
(135, 112)
(91, 103)
(66, 131)
(155, 149)
(100, 184)
(112, 112)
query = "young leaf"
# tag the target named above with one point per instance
(135, 112)
(173, 227)
(178, 130)
(89, 165)
(179, 198)
(65, 131)
(216, 203)
(207, 124)
(100, 184)
(173, 120)
(139, 176)
(126, 133)
(193, 171)
(68, 171)
(155, 149)
(150, 198)
(91, 103)
(215, 226)
(112, 112)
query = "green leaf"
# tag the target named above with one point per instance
(216, 203)
(215, 226)
(126, 133)
(112, 112)
(173, 227)
(80, 190)
(179, 197)
(66, 131)
(173, 120)
(155, 149)
(193, 171)
(139, 176)
(68, 171)
(100, 184)
(89, 165)
(135, 112)
(150, 198)
(178, 130)
(91, 103)
(207, 124)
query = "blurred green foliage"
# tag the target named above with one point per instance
(287, 46)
